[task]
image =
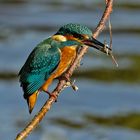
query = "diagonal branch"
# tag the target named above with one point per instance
(61, 85)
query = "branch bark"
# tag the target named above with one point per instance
(62, 82)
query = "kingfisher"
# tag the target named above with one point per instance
(52, 57)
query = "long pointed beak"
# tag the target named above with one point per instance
(98, 45)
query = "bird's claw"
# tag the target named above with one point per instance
(52, 95)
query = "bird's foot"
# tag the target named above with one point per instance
(52, 95)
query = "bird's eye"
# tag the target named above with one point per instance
(79, 36)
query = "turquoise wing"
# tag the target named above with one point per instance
(40, 64)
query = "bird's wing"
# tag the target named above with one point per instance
(42, 61)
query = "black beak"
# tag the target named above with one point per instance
(92, 42)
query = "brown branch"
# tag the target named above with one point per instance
(104, 18)
(61, 85)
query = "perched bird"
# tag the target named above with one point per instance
(52, 57)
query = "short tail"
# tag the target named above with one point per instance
(31, 100)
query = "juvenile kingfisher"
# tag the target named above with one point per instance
(52, 57)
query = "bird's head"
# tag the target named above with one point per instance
(76, 34)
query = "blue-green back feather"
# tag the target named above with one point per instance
(73, 28)
(42, 61)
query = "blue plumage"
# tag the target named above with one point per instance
(52, 57)
(42, 61)
(74, 29)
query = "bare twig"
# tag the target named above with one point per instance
(110, 32)
(61, 85)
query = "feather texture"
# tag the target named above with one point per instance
(42, 61)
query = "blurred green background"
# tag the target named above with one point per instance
(107, 104)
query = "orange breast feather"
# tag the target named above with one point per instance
(67, 56)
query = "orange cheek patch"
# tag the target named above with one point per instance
(70, 37)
